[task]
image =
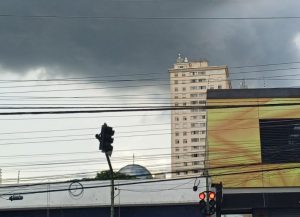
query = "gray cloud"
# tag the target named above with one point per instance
(98, 47)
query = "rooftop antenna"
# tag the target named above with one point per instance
(18, 177)
(132, 158)
(243, 84)
(179, 58)
(264, 81)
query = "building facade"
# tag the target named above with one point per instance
(189, 81)
(255, 139)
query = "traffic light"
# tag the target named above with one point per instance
(202, 202)
(211, 203)
(207, 202)
(105, 139)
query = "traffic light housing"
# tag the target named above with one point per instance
(202, 202)
(207, 202)
(105, 139)
(211, 203)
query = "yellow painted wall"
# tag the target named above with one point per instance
(234, 156)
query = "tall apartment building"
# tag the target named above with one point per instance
(189, 83)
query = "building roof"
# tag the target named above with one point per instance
(253, 93)
(136, 170)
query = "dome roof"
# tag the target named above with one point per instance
(136, 170)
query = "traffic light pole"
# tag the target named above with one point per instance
(105, 138)
(112, 190)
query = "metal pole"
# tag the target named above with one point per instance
(206, 173)
(112, 192)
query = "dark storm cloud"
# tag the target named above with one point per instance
(97, 47)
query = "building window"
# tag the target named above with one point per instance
(175, 82)
(184, 141)
(176, 141)
(193, 87)
(177, 157)
(176, 97)
(176, 149)
(184, 104)
(194, 117)
(196, 163)
(195, 171)
(183, 74)
(219, 86)
(195, 147)
(183, 89)
(181, 67)
(176, 133)
(184, 133)
(176, 89)
(176, 74)
(184, 118)
(185, 163)
(176, 118)
(194, 139)
(195, 124)
(194, 132)
(195, 155)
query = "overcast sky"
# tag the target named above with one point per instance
(64, 47)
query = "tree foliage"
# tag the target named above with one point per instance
(105, 175)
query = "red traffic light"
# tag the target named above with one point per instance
(202, 196)
(212, 195)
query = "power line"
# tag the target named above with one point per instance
(93, 79)
(144, 18)
(149, 85)
(129, 133)
(142, 158)
(262, 65)
(140, 182)
(146, 109)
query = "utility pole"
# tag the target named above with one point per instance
(105, 139)
(219, 197)
(112, 187)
